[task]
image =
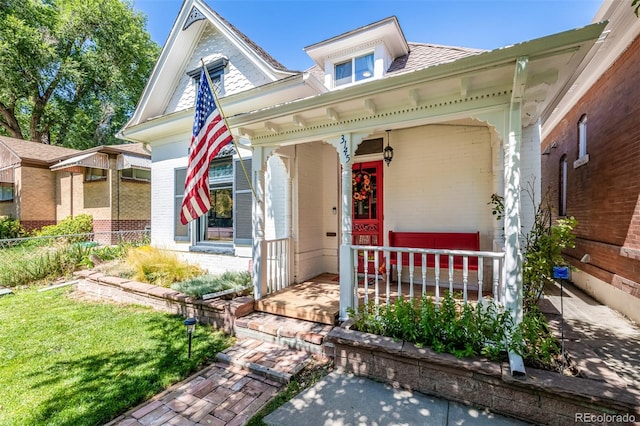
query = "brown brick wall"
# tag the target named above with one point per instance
(31, 225)
(604, 194)
(35, 194)
(134, 198)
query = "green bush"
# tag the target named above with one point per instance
(207, 284)
(452, 327)
(71, 225)
(11, 228)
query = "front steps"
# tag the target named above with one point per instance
(275, 347)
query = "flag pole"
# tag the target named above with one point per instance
(224, 117)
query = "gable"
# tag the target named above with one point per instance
(199, 32)
(239, 73)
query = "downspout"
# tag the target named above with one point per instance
(512, 223)
(70, 194)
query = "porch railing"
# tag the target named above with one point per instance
(278, 265)
(372, 274)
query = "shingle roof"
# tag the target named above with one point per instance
(35, 151)
(424, 55)
(421, 55)
(259, 50)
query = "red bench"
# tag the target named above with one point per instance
(435, 240)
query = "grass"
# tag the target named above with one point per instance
(65, 361)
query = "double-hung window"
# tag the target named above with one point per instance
(217, 224)
(229, 219)
(583, 155)
(6, 191)
(355, 69)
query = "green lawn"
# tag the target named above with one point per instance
(65, 361)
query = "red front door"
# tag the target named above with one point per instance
(367, 207)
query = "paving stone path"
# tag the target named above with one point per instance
(223, 393)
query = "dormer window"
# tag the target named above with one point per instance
(355, 69)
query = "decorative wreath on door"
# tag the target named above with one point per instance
(361, 185)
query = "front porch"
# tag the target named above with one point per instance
(318, 299)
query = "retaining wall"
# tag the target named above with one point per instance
(543, 397)
(219, 313)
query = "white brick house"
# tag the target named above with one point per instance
(463, 124)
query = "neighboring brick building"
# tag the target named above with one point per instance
(43, 184)
(28, 186)
(591, 164)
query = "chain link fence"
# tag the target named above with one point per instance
(136, 237)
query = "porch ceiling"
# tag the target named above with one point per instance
(441, 93)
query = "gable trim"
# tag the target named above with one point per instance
(194, 15)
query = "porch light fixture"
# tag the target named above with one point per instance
(388, 151)
(190, 323)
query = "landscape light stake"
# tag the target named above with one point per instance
(190, 323)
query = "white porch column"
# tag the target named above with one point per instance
(259, 251)
(513, 255)
(345, 146)
(346, 258)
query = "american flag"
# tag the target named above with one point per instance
(210, 134)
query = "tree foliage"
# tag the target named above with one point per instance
(72, 70)
(636, 4)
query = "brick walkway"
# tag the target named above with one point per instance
(222, 394)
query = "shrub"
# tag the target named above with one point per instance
(11, 228)
(541, 247)
(207, 284)
(159, 267)
(71, 225)
(452, 327)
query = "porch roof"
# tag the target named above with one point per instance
(444, 92)
(128, 161)
(92, 159)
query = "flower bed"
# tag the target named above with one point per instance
(217, 312)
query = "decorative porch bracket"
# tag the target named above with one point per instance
(513, 255)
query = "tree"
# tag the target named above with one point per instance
(72, 70)
(636, 4)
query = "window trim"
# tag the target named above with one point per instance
(133, 176)
(583, 156)
(201, 223)
(13, 191)
(562, 186)
(178, 196)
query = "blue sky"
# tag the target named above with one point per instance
(284, 27)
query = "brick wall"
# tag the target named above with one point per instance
(34, 194)
(133, 201)
(604, 194)
(31, 225)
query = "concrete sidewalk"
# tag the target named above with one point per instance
(344, 399)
